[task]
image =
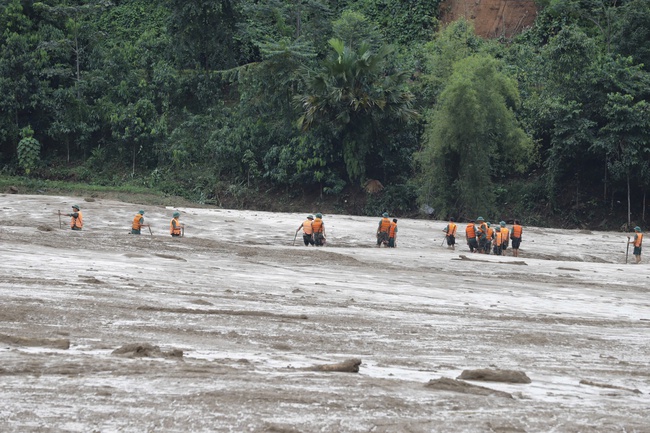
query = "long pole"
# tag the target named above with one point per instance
(149, 227)
(294, 240)
(627, 250)
(60, 226)
(443, 241)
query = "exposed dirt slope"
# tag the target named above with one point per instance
(492, 18)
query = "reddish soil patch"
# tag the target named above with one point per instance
(491, 18)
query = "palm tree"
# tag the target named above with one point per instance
(351, 96)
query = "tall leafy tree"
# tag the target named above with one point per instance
(203, 31)
(472, 138)
(625, 138)
(350, 95)
(22, 85)
(632, 36)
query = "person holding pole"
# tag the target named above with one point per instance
(176, 228)
(637, 241)
(451, 234)
(138, 223)
(76, 218)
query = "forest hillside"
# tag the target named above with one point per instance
(536, 110)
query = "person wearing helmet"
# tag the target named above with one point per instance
(470, 236)
(517, 230)
(637, 241)
(382, 230)
(76, 218)
(318, 228)
(307, 231)
(392, 234)
(450, 236)
(498, 241)
(505, 235)
(176, 228)
(489, 238)
(138, 223)
(481, 234)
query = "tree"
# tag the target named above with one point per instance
(351, 95)
(625, 139)
(471, 138)
(399, 21)
(203, 31)
(21, 84)
(632, 37)
(28, 150)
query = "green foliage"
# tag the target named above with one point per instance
(203, 31)
(29, 150)
(472, 138)
(350, 95)
(455, 42)
(202, 98)
(632, 35)
(398, 199)
(353, 28)
(402, 22)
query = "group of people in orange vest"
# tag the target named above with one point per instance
(176, 228)
(482, 238)
(313, 231)
(387, 231)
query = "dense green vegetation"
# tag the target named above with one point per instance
(222, 101)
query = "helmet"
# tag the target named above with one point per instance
(498, 229)
(319, 215)
(637, 229)
(177, 214)
(489, 225)
(310, 217)
(75, 206)
(502, 223)
(385, 214)
(480, 219)
(141, 212)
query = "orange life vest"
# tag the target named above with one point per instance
(137, 222)
(516, 231)
(490, 233)
(451, 229)
(306, 227)
(498, 238)
(176, 231)
(638, 239)
(317, 225)
(505, 233)
(392, 229)
(482, 228)
(77, 222)
(384, 225)
(470, 231)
